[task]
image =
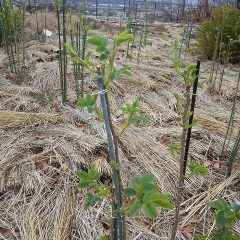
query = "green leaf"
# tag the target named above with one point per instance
(146, 186)
(163, 203)
(131, 108)
(189, 74)
(103, 57)
(103, 191)
(89, 178)
(104, 237)
(149, 42)
(178, 102)
(84, 184)
(177, 61)
(139, 118)
(100, 43)
(148, 178)
(197, 169)
(149, 196)
(129, 192)
(159, 199)
(82, 175)
(149, 210)
(133, 208)
(135, 182)
(220, 218)
(91, 200)
(101, 49)
(114, 165)
(93, 173)
(238, 214)
(216, 235)
(123, 37)
(89, 102)
(219, 204)
(200, 237)
(123, 71)
(172, 148)
(228, 236)
(186, 120)
(72, 53)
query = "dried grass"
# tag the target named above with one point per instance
(11, 119)
(33, 21)
(41, 152)
(38, 22)
(46, 78)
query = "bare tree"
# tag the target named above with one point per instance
(183, 6)
(204, 8)
(223, 2)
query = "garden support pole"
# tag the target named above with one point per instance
(154, 12)
(118, 217)
(64, 3)
(233, 155)
(84, 46)
(191, 118)
(96, 8)
(230, 122)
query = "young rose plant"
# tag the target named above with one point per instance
(106, 68)
(143, 193)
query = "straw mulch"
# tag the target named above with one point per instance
(43, 144)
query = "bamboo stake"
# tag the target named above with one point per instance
(118, 217)
(64, 53)
(233, 155)
(214, 57)
(189, 132)
(146, 22)
(36, 17)
(60, 50)
(230, 123)
(23, 38)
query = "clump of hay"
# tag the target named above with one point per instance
(10, 119)
(46, 78)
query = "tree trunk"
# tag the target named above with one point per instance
(204, 13)
(183, 5)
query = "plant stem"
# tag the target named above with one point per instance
(189, 132)
(45, 25)
(36, 17)
(214, 57)
(224, 66)
(183, 39)
(84, 46)
(230, 123)
(233, 155)
(181, 165)
(140, 48)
